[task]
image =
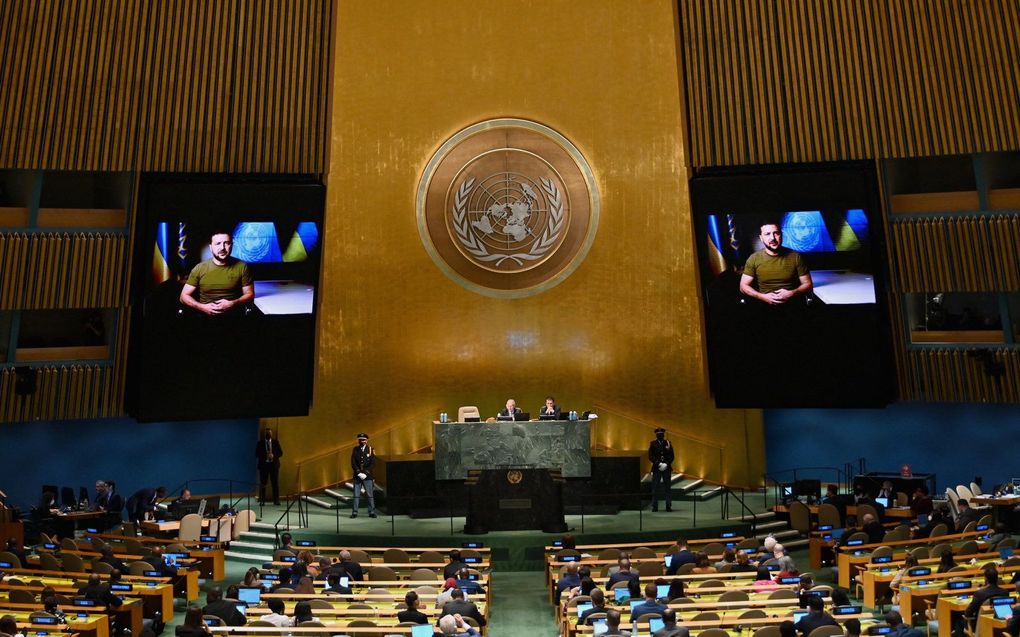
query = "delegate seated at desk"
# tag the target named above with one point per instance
(550, 409)
(511, 410)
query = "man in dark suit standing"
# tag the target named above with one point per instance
(660, 453)
(268, 452)
(510, 411)
(362, 461)
(108, 501)
(144, 501)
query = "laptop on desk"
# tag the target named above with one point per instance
(522, 416)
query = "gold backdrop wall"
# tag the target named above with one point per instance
(398, 340)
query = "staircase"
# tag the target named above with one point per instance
(256, 545)
(338, 497)
(769, 524)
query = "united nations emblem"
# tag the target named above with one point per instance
(507, 208)
(514, 476)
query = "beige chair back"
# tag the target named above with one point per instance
(467, 411)
(649, 569)
(48, 562)
(424, 575)
(975, 489)
(396, 556)
(800, 517)
(139, 567)
(72, 563)
(7, 556)
(242, 522)
(191, 528)
(829, 514)
(964, 492)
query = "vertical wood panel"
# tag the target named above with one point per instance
(960, 254)
(157, 85)
(856, 80)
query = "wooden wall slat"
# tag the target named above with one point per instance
(956, 254)
(955, 375)
(167, 85)
(853, 80)
(52, 271)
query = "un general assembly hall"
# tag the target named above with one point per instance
(509, 317)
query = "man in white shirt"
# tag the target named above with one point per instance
(277, 617)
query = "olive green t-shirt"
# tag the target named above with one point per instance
(782, 271)
(215, 282)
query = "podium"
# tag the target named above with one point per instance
(514, 499)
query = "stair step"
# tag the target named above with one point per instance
(774, 524)
(689, 485)
(343, 497)
(711, 493)
(318, 502)
(261, 546)
(265, 526)
(788, 534)
(258, 534)
(248, 557)
(794, 544)
(349, 485)
(761, 516)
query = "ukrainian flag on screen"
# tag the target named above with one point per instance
(303, 241)
(716, 260)
(853, 231)
(805, 231)
(256, 242)
(160, 264)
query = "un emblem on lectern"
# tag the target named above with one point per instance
(507, 208)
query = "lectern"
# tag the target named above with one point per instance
(511, 499)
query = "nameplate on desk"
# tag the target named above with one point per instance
(728, 534)
(50, 546)
(120, 587)
(515, 503)
(6, 565)
(208, 538)
(478, 545)
(305, 542)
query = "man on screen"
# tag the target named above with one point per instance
(220, 284)
(775, 275)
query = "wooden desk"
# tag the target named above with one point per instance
(584, 548)
(848, 563)
(944, 608)
(151, 598)
(210, 563)
(988, 625)
(189, 578)
(734, 620)
(890, 512)
(93, 625)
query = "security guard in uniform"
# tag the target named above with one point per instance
(660, 453)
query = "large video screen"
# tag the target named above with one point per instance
(791, 265)
(226, 278)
